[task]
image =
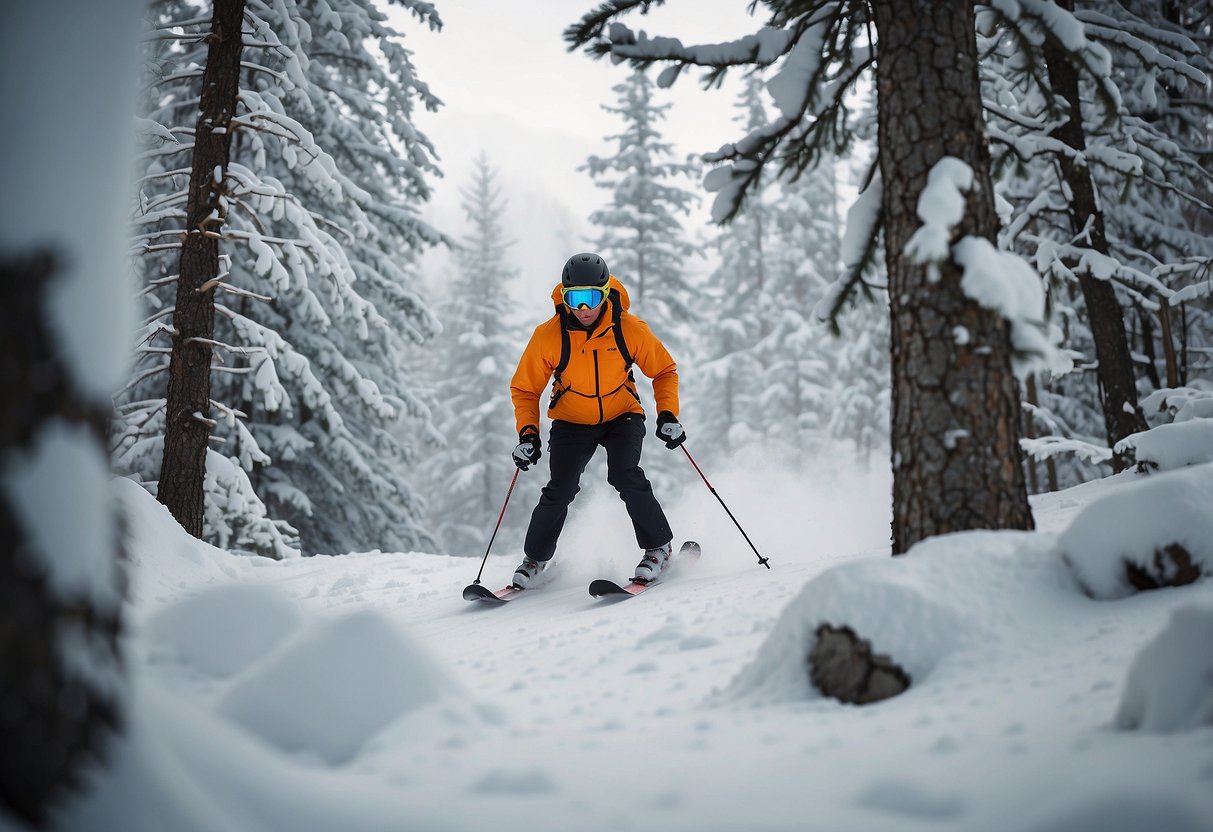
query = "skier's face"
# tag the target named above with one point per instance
(588, 316)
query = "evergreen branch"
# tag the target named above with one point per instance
(166, 174)
(146, 374)
(181, 76)
(591, 25)
(281, 76)
(853, 278)
(153, 318)
(152, 249)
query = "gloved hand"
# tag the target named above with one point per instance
(669, 431)
(528, 452)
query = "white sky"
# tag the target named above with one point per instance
(512, 89)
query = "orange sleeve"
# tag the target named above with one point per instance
(655, 361)
(527, 386)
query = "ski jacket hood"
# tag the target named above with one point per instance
(596, 385)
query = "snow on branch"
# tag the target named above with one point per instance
(1047, 447)
(1196, 266)
(762, 48)
(859, 250)
(997, 280)
(1147, 43)
(1034, 21)
(941, 206)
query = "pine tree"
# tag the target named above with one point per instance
(315, 419)
(474, 360)
(642, 238)
(188, 400)
(737, 291)
(797, 357)
(1095, 191)
(956, 457)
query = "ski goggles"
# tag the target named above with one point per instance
(576, 297)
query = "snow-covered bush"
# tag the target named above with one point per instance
(1156, 532)
(1170, 684)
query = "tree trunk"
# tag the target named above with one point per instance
(187, 428)
(59, 653)
(957, 463)
(1117, 388)
(1168, 343)
(1029, 429)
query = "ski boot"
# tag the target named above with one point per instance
(652, 564)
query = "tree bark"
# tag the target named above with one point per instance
(54, 716)
(1117, 387)
(187, 431)
(957, 463)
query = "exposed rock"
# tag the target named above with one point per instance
(843, 666)
(1172, 566)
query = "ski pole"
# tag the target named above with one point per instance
(761, 560)
(485, 559)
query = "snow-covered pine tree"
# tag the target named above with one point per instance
(473, 359)
(823, 385)
(317, 305)
(929, 134)
(1095, 189)
(729, 370)
(642, 237)
(187, 430)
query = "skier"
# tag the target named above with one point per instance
(588, 347)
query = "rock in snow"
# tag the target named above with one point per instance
(1157, 531)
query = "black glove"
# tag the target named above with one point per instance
(527, 453)
(669, 431)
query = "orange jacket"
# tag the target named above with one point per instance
(595, 386)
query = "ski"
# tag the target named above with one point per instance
(602, 587)
(480, 592)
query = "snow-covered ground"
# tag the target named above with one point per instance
(362, 693)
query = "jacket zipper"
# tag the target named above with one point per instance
(597, 389)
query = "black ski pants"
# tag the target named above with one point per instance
(570, 447)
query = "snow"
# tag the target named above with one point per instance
(790, 87)
(941, 206)
(58, 487)
(361, 692)
(1003, 282)
(1130, 524)
(1166, 447)
(1000, 281)
(357, 666)
(1170, 685)
(222, 630)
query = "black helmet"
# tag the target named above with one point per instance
(585, 270)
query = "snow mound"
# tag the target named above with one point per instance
(947, 593)
(1170, 683)
(334, 687)
(1130, 524)
(1172, 446)
(163, 558)
(223, 630)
